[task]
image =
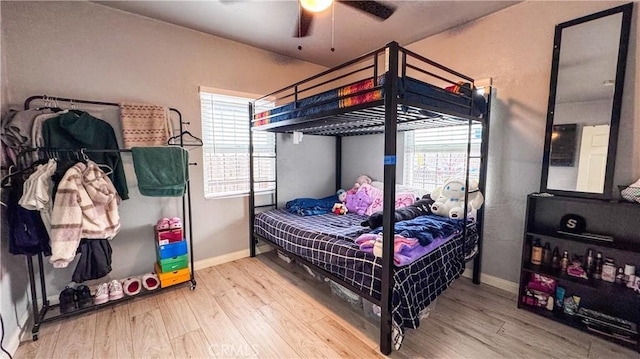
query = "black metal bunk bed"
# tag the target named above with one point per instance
(45, 313)
(379, 97)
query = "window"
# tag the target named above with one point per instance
(225, 135)
(432, 155)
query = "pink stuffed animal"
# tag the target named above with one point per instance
(361, 180)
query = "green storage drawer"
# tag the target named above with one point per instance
(174, 263)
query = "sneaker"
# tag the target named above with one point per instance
(83, 296)
(115, 290)
(67, 300)
(102, 294)
(132, 286)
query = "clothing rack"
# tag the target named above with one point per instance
(40, 314)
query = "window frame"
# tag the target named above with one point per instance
(448, 148)
(207, 147)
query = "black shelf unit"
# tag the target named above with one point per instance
(616, 219)
(47, 312)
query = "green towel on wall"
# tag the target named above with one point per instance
(161, 171)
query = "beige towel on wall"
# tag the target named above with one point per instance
(145, 125)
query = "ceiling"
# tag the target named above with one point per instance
(270, 24)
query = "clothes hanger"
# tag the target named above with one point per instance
(86, 159)
(5, 182)
(50, 103)
(74, 109)
(193, 141)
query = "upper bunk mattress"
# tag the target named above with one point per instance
(366, 91)
(327, 241)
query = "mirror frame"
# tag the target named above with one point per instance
(623, 47)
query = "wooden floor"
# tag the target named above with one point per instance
(263, 307)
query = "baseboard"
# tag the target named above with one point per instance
(12, 341)
(487, 279)
(229, 257)
(500, 283)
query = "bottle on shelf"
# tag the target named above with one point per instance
(546, 254)
(589, 265)
(636, 283)
(609, 270)
(597, 271)
(620, 276)
(555, 258)
(564, 262)
(536, 252)
(629, 275)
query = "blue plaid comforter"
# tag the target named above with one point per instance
(328, 242)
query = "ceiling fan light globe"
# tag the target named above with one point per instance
(316, 5)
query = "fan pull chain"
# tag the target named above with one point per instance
(299, 26)
(333, 25)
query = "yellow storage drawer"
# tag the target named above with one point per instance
(170, 278)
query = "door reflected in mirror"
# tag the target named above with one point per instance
(584, 104)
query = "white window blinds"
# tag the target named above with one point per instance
(225, 131)
(432, 155)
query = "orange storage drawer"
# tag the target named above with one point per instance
(170, 278)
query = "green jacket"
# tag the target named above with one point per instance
(78, 130)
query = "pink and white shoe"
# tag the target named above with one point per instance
(132, 286)
(175, 223)
(115, 290)
(102, 294)
(163, 224)
(150, 281)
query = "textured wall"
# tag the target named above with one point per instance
(87, 51)
(514, 47)
(365, 155)
(13, 277)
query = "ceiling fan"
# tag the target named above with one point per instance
(309, 7)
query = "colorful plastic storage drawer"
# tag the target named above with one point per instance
(171, 278)
(173, 263)
(169, 236)
(172, 249)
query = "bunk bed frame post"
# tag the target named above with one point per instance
(465, 227)
(482, 185)
(390, 133)
(252, 200)
(338, 162)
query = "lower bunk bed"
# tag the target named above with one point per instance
(329, 242)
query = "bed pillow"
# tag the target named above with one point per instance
(403, 199)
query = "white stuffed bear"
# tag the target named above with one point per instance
(449, 198)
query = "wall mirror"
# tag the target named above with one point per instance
(585, 98)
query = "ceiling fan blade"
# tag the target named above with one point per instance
(374, 8)
(303, 28)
